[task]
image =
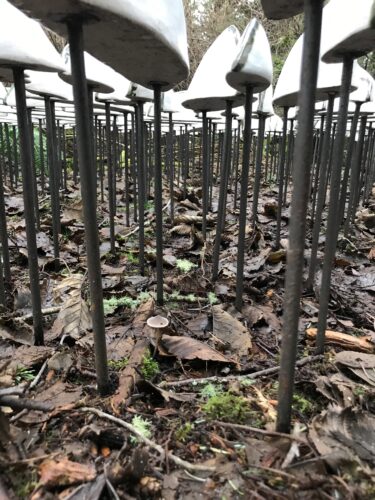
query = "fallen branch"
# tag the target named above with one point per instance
(176, 460)
(345, 341)
(15, 390)
(21, 404)
(264, 432)
(262, 373)
(47, 310)
(129, 376)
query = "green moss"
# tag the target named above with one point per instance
(118, 364)
(149, 367)
(184, 265)
(228, 407)
(183, 432)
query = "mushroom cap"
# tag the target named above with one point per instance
(252, 64)
(144, 40)
(157, 322)
(354, 34)
(24, 44)
(209, 90)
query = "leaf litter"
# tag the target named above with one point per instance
(66, 452)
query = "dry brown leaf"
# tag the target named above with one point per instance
(371, 254)
(182, 230)
(344, 340)
(188, 348)
(344, 434)
(64, 473)
(231, 331)
(276, 257)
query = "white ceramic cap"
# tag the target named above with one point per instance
(143, 40)
(121, 87)
(252, 64)
(48, 84)
(138, 93)
(281, 9)
(365, 80)
(209, 90)
(351, 30)
(265, 102)
(3, 93)
(23, 42)
(98, 74)
(288, 84)
(32, 101)
(274, 124)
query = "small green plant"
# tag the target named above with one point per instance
(131, 258)
(142, 425)
(212, 299)
(24, 374)
(228, 407)
(184, 265)
(118, 364)
(178, 297)
(211, 390)
(149, 367)
(183, 432)
(301, 404)
(110, 305)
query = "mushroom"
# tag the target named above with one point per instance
(157, 325)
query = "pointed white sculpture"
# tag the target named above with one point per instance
(288, 84)
(98, 74)
(209, 90)
(143, 40)
(23, 42)
(352, 30)
(252, 64)
(48, 84)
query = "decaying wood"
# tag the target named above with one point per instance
(263, 432)
(129, 377)
(20, 404)
(163, 453)
(344, 340)
(261, 373)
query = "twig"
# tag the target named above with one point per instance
(261, 373)
(176, 460)
(47, 310)
(8, 391)
(39, 375)
(264, 432)
(20, 404)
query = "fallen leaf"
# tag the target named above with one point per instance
(231, 331)
(344, 434)
(188, 348)
(64, 472)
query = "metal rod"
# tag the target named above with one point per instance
(158, 194)
(88, 191)
(297, 228)
(205, 173)
(243, 196)
(28, 199)
(225, 170)
(323, 173)
(258, 167)
(281, 173)
(333, 211)
(111, 175)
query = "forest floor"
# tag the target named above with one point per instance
(161, 433)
